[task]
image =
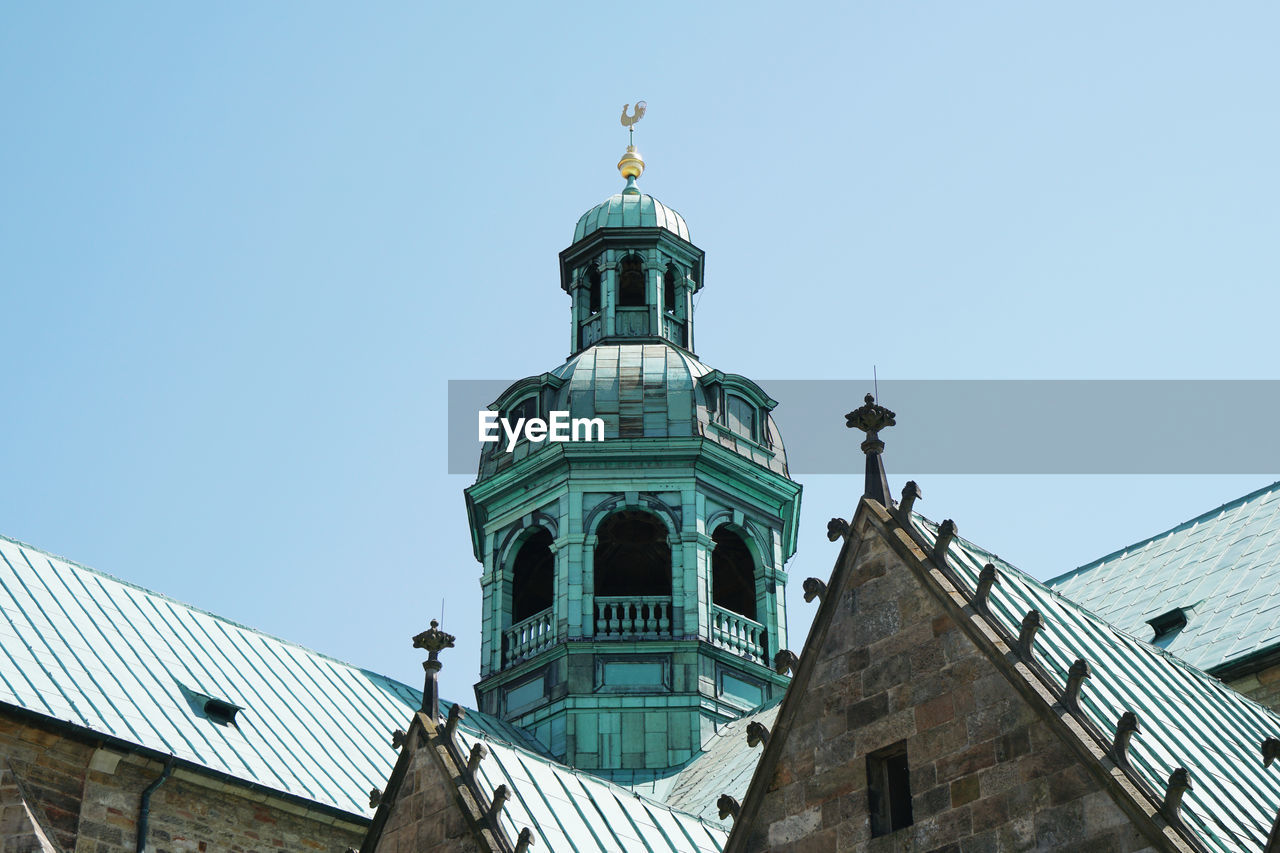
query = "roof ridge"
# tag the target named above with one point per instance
(1231, 504)
(191, 607)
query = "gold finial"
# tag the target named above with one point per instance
(632, 164)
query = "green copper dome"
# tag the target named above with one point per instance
(630, 209)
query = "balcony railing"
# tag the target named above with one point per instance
(528, 637)
(633, 616)
(738, 634)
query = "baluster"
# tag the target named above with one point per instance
(664, 618)
(615, 619)
(650, 620)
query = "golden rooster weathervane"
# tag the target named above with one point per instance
(632, 164)
(629, 121)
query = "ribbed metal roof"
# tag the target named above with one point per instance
(1187, 718)
(1223, 568)
(630, 210)
(570, 810)
(92, 651)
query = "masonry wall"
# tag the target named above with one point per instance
(1262, 687)
(425, 814)
(53, 779)
(987, 773)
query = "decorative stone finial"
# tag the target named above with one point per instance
(1270, 751)
(786, 661)
(397, 738)
(434, 641)
(1126, 728)
(729, 807)
(1179, 784)
(910, 494)
(814, 588)
(1031, 625)
(987, 578)
(1076, 675)
(500, 797)
(871, 418)
(525, 841)
(837, 528)
(478, 753)
(946, 532)
(757, 733)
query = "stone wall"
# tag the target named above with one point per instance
(85, 798)
(987, 772)
(426, 814)
(1262, 687)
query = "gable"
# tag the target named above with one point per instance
(888, 668)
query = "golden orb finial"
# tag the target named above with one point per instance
(632, 164)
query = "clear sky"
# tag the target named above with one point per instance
(244, 246)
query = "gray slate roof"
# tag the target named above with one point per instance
(1223, 567)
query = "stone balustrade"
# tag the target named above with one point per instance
(633, 616)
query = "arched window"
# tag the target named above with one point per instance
(631, 281)
(733, 574)
(593, 289)
(533, 576)
(632, 555)
(669, 289)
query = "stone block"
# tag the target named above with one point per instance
(964, 791)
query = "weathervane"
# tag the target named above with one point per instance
(629, 121)
(632, 164)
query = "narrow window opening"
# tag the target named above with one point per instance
(740, 417)
(669, 289)
(533, 576)
(733, 577)
(631, 282)
(526, 409)
(632, 556)
(889, 789)
(593, 289)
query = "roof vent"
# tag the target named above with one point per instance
(1167, 626)
(212, 708)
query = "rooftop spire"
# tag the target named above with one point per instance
(632, 164)
(871, 418)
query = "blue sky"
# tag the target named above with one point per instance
(243, 247)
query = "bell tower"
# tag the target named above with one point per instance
(633, 588)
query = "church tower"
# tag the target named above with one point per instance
(633, 588)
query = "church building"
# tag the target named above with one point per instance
(638, 689)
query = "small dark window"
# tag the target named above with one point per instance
(593, 289)
(669, 289)
(889, 789)
(1167, 626)
(631, 282)
(733, 577)
(533, 576)
(526, 408)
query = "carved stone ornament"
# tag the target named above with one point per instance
(433, 640)
(837, 528)
(813, 588)
(728, 806)
(870, 418)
